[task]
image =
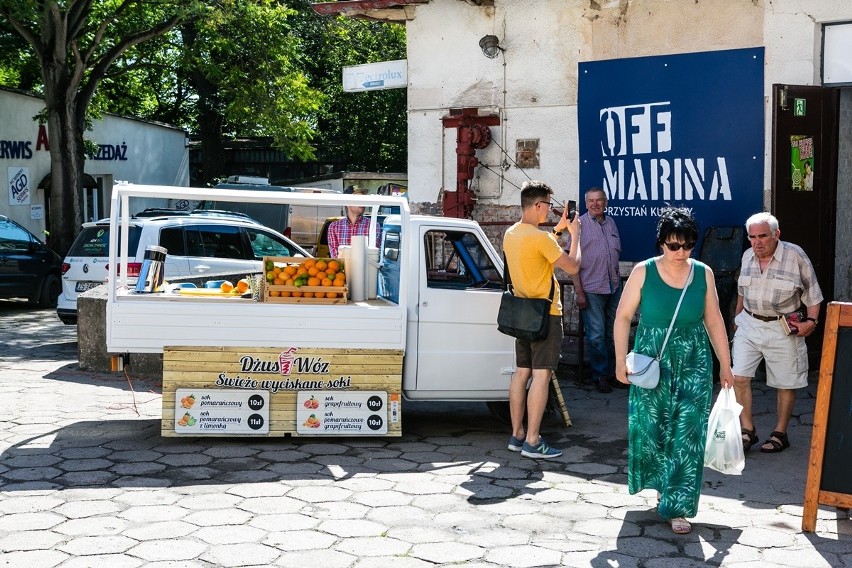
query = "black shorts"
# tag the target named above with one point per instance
(542, 354)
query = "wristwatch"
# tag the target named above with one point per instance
(816, 321)
(557, 233)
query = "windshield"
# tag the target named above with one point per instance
(94, 242)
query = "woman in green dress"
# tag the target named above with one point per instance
(667, 425)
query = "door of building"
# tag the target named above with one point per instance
(804, 177)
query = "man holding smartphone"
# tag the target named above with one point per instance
(598, 287)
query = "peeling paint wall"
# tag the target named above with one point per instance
(532, 85)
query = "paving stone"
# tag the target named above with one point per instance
(379, 464)
(106, 560)
(300, 540)
(160, 530)
(337, 510)
(154, 513)
(87, 545)
(137, 482)
(217, 517)
(259, 490)
(29, 540)
(230, 534)
(312, 495)
(373, 546)
(30, 521)
(324, 558)
(397, 515)
(283, 522)
(365, 483)
(352, 527)
(395, 561)
(523, 556)
(382, 498)
(39, 558)
(135, 456)
(798, 557)
(321, 449)
(29, 504)
(79, 478)
(177, 550)
(83, 453)
(268, 505)
(83, 509)
(31, 460)
(32, 474)
(198, 502)
(444, 553)
(94, 526)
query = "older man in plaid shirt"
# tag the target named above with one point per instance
(776, 277)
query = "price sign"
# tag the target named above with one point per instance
(207, 411)
(342, 413)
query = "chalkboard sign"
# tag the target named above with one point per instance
(829, 482)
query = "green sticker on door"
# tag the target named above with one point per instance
(802, 162)
(799, 106)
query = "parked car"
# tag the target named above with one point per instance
(198, 243)
(28, 268)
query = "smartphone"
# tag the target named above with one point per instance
(572, 209)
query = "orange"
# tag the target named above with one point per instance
(277, 281)
(289, 282)
(333, 265)
(308, 294)
(314, 281)
(276, 270)
(340, 276)
(330, 273)
(331, 294)
(285, 294)
(319, 294)
(291, 270)
(321, 275)
(309, 263)
(273, 293)
(242, 286)
(326, 282)
(321, 265)
(312, 271)
(226, 286)
(297, 294)
(301, 270)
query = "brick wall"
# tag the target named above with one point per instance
(843, 257)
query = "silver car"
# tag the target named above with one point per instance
(199, 243)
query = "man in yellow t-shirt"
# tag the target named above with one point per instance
(531, 255)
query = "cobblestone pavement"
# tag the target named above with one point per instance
(86, 480)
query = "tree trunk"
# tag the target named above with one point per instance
(65, 133)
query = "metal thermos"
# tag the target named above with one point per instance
(153, 269)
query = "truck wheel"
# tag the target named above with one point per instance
(50, 290)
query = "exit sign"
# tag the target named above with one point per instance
(799, 107)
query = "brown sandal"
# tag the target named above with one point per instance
(749, 438)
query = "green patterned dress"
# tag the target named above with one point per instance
(668, 425)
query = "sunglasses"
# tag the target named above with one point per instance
(674, 247)
(548, 203)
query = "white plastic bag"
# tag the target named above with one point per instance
(724, 449)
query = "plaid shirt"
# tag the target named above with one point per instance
(788, 281)
(340, 233)
(601, 246)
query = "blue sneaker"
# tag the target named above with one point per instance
(540, 451)
(516, 444)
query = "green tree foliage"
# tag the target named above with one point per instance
(75, 43)
(368, 129)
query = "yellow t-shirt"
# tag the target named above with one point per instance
(530, 255)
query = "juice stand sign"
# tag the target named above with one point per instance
(279, 391)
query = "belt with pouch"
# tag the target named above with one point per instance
(761, 318)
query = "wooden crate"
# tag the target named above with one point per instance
(341, 292)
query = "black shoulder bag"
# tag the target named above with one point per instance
(522, 318)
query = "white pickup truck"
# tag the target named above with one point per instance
(430, 333)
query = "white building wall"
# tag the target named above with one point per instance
(140, 152)
(544, 40)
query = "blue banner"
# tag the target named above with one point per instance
(682, 130)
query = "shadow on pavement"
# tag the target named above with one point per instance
(644, 534)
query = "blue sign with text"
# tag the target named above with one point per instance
(683, 130)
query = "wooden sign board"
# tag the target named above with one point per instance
(829, 482)
(262, 391)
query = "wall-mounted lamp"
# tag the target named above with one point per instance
(490, 46)
(783, 97)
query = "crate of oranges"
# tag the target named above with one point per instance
(297, 280)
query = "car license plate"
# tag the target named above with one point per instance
(83, 286)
